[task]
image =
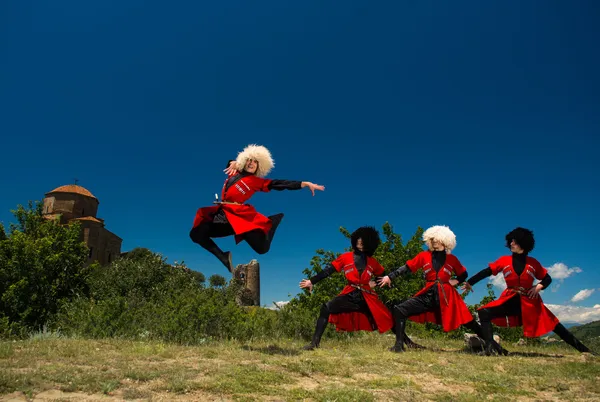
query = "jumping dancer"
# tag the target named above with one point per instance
(231, 216)
(520, 304)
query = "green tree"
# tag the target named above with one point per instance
(198, 276)
(217, 281)
(41, 266)
(138, 253)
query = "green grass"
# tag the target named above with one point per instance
(359, 369)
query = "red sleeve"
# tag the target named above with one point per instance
(259, 184)
(339, 263)
(497, 266)
(459, 269)
(377, 268)
(416, 262)
(265, 185)
(540, 271)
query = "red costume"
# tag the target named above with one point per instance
(232, 217)
(356, 320)
(535, 317)
(454, 311)
(242, 217)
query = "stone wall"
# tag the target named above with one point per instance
(249, 276)
(104, 246)
(71, 206)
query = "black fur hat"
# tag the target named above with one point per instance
(523, 237)
(370, 239)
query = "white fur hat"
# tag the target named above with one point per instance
(260, 154)
(443, 234)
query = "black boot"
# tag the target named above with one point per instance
(410, 344)
(400, 328)
(488, 337)
(569, 338)
(320, 329)
(225, 258)
(275, 220)
(473, 326)
(202, 238)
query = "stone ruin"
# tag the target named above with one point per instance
(475, 343)
(248, 275)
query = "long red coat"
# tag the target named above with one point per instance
(357, 321)
(243, 218)
(535, 317)
(454, 311)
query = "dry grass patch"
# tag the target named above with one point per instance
(360, 369)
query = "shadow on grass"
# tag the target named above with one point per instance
(273, 350)
(535, 354)
(522, 354)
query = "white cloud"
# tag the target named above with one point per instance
(582, 295)
(580, 315)
(559, 272)
(278, 305)
(498, 281)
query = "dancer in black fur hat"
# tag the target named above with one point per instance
(357, 307)
(520, 304)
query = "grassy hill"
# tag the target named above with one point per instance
(360, 369)
(588, 333)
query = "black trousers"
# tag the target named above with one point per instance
(348, 303)
(513, 307)
(205, 232)
(426, 302)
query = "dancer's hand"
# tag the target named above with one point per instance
(306, 284)
(312, 187)
(232, 169)
(453, 282)
(385, 281)
(372, 284)
(466, 286)
(534, 292)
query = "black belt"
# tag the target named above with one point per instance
(443, 291)
(363, 289)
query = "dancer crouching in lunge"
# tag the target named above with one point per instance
(438, 302)
(232, 217)
(357, 307)
(520, 304)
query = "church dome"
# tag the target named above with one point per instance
(74, 189)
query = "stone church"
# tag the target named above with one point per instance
(75, 203)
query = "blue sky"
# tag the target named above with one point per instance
(482, 116)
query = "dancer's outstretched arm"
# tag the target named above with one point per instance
(308, 283)
(387, 280)
(459, 279)
(484, 273)
(278, 185)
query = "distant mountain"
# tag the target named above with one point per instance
(586, 331)
(571, 324)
